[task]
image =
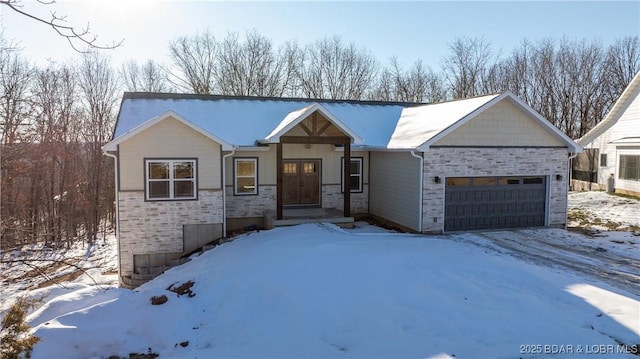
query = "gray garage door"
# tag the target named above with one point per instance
(494, 202)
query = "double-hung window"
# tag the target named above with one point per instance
(245, 181)
(629, 168)
(170, 179)
(356, 178)
(603, 160)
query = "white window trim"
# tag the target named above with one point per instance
(603, 156)
(236, 176)
(618, 165)
(360, 161)
(170, 179)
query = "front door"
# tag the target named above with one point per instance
(301, 182)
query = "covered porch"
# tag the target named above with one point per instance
(299, 182)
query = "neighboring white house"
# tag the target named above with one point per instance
(612, 148)
(191, 167)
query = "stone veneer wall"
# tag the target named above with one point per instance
(248, 206)
(256, 205)
(332, 197)
(156, 226)
(468, 162)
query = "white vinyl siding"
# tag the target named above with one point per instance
(626, 126)
(394, 188)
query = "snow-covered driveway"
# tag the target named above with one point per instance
(613, 257)
(589, 248)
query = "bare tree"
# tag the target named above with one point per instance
(623, 62)
(98, 91)
(149, 77)
(55, 168)
(15, 75)
(465, 67)
(194, 60)
(331, 69)
(418, 84)
(74, 35)
(251, 67)
(15, 111)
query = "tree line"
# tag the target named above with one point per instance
(57, 187)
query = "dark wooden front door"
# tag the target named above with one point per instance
(301, 182)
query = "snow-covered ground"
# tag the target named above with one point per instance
(601, 210)
(44, 272)
(320, 291)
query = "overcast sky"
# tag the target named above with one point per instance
(406, 30)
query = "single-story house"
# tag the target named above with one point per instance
(611, 160)
(189, 168)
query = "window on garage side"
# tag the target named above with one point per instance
(629, 168)
(458, 181)
(245, 180)
(356, 181)
(170, 179)
(603, 160)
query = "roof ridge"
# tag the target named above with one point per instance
(210, 97)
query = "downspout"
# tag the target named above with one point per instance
(572, 155)
(117, 198)
(421, 167)
(224, 192)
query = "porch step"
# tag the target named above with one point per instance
(293, 217)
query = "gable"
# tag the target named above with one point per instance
(503, 124)
(624, 129)
(169, 138)
(314, 120)
(624, 107)
(167, 132)
(315, 125)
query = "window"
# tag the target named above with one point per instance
(170, 179)
(503, 181)
(356, 175)
(484, 181)
(458, 181)
(629, 168)
(533, 180)
(290, 168)
(603, 160)
(245, 180)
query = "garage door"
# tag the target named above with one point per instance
(494, 202)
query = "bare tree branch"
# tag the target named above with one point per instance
(57, 23)
(43, 273)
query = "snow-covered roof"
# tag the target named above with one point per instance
(417, 125)
(245, 121)
(111, 146)
(629, 93)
